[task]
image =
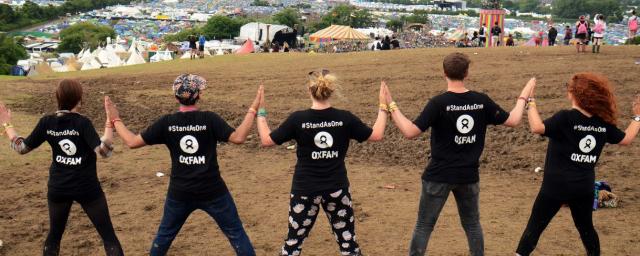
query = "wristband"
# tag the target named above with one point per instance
(113, 122)
(393, 107)
(6, 126)
(523, 98)
(531, 99)
(384, 107)
(262, 112)
(252, 111)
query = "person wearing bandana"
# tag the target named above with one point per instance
(191, 135)
(576, 140)
(458, 120)
(72, 176)
(322, 134)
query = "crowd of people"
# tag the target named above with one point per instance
(458, 119)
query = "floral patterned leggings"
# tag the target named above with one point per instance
(302, 215)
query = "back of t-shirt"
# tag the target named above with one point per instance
(323, 140)
(73, 140)
(458, 124)
(576, 142)
(191, 138)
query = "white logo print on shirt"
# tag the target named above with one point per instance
(68, 147)
(189, 144)
(323, 140)
(587, 144)
(465, 124)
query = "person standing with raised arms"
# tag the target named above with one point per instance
(191, 135)
(458, 120)
(576, 140)
(72, 176)
(322, 134)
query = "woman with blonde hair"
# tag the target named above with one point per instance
(72, 176)
(320, 179)
(576, 140)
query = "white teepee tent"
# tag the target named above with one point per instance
(135, 59)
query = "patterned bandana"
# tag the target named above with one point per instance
(187, 87)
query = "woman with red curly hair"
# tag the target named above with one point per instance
(576, 139)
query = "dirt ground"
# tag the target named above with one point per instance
(260, 179)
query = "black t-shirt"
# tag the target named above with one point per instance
(575, 144)
(496, 31)
(459, 123)
(73, 141)
(191, 138)
(323, 140)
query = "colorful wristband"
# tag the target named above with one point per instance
(393, 107)
(384, 107)
(523, 98)
(252, 111)
(262, 112)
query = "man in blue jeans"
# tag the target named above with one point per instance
(458, 120)
(191, 136)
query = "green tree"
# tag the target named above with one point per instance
(219, 27)
(183, 35)
(32, 10)
(395, 24)
(288, 17)
(418, 16)
(74, 37)
(346, 15)
(572, 9)
(10, 53)
(7, 15)
(529, 5)
(509, 5)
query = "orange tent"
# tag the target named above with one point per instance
(337, 32)
(247, 47)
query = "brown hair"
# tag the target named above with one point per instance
(456, 66)
(68, 94)
(593, 93)
(321, 85)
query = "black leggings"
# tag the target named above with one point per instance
(98, 213)
(543, 211)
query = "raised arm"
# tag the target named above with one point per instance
(17, 142)
(129, 138)
(535, 121)
(406, 127)
(381, 122)
(241, 133)
(634, 126)
(515, 117)
(263, 126)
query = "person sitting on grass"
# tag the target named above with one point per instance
(191, 135)
(458, 119)
(320, 178)
(72, 176)
(576, 140)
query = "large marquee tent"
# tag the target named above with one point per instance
(337, 32)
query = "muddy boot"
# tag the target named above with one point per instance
(51, 250)
(593, 48)
(598, 49)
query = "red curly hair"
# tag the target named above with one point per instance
(594, 94)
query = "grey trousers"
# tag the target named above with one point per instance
(433, 198)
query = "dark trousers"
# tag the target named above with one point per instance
(98, 212)
(543, 211)
(222, 210)
(302, 215)
(433, 198)
(552, 41)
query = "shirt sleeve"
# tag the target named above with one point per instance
(495, 114)
(428, 117)
(358, 130)
(155, 134)
(285, 132)
(221, 129)
(90, 135)
(554, 124)
(614, 135)
(38, 135)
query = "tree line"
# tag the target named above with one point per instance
(31, 13)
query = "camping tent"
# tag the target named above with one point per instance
(246, 48)
(135, 59)
(337, 32)
(91, 64)
(277, 33)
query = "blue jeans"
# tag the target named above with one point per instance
(434, 196)
(222, 210)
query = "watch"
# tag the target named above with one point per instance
(636, 118)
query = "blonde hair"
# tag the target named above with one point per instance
(321, 86)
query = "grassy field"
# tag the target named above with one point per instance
(260, 179)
